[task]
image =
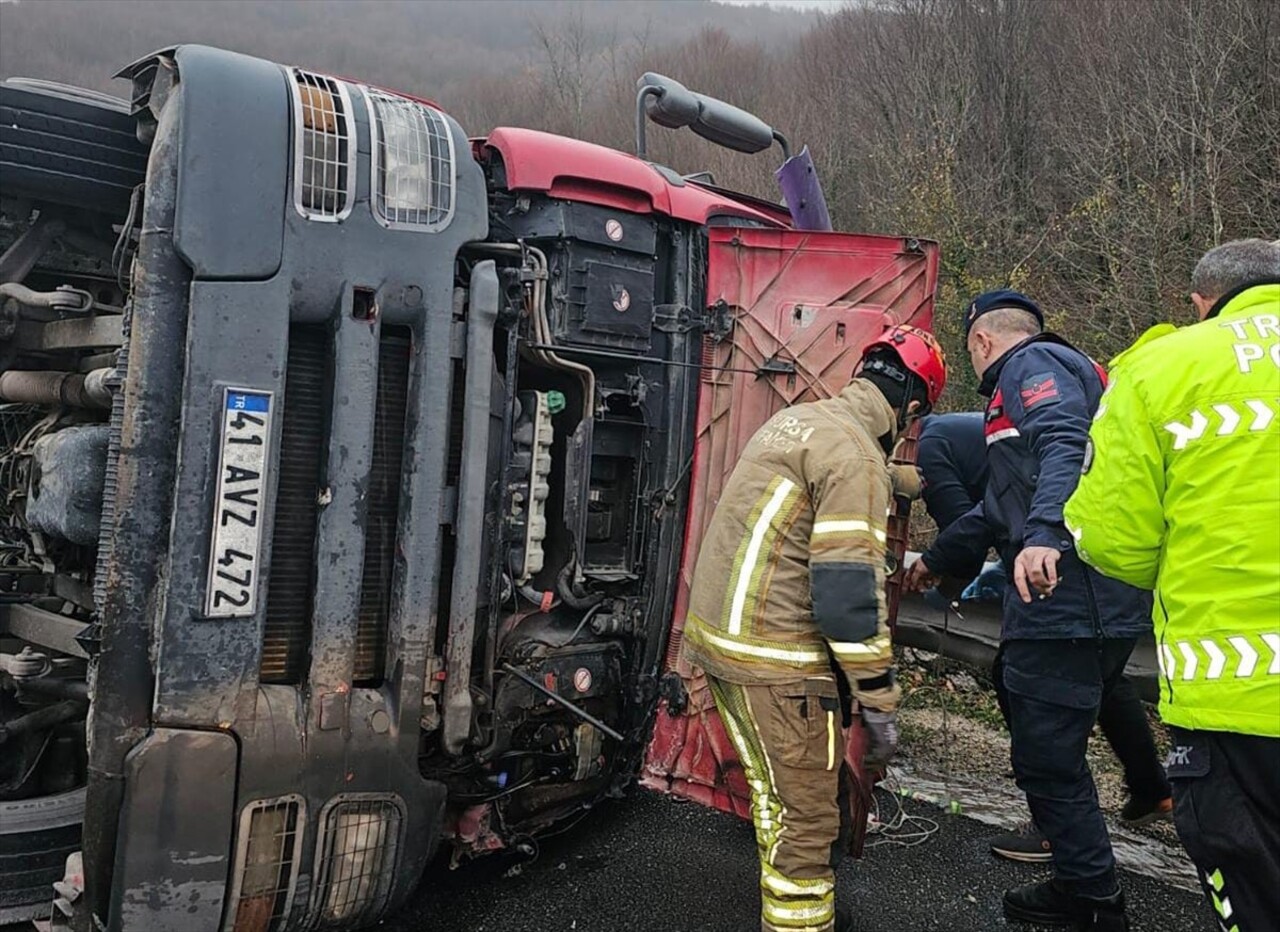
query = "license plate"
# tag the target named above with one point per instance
(237, 511)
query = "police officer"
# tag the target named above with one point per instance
(1183, 496)
(788, 594)
(1063, 651)
(953, 464)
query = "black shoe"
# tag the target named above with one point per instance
(1143, 812)
(1102, 913)
(844, 920)
(1052, 903)
(1026, 843)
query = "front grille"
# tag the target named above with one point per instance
(266, 868)
(287, 634)
(384, 505)
(356, 860)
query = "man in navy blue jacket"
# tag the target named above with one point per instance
(952, 459)
(1067, 631)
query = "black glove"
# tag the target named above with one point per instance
(882, 736)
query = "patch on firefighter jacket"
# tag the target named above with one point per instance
(1088, 458)
(1038, 390)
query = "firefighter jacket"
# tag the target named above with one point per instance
(1043, 393)
(792, 566)
(1183, 496)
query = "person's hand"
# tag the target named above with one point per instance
(882, 737)
(919, 577)
(1036, 568)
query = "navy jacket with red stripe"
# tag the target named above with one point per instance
(1043, 394)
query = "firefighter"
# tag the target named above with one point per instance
(1183, 496)
(953, 464)
(1064, 651)
(788, 594)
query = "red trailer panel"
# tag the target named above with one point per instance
(797, 309)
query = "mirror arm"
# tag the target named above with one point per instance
(782, 141)
(649, 90)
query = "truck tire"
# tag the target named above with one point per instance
(36, 835)
(68, 146)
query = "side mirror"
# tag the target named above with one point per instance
(669, 103)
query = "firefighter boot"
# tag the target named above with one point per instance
(1053, 903)
(844, 920)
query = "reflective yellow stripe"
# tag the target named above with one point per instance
(778, 882)
(700, 632)
(849, 527)
(862, 650)
(773, 781)
(747, 570)
(776, 912)
(831, 741)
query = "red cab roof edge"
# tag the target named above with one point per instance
(584, 171)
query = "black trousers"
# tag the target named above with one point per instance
(1123, 720)
(1054, 691)
(1227, 809)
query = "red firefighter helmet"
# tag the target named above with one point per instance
(920, 352)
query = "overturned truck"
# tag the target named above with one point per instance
(351, 472)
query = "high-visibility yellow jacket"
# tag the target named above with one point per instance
(1182, 496)
(791, 570)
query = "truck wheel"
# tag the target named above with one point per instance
(68, 146)
(36, 835)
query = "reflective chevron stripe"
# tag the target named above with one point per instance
(1262, 415)
(1273, 641)
(1230, 420)
(1234, 657)
(1248, 656)
(1255, 414)
(1183, 433)
(1221, 902)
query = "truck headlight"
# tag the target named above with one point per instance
(324, 147)
(356, 860)
(266, 869)
(413, 163)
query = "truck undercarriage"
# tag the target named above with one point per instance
(345, 473)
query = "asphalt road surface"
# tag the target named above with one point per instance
(654, 864)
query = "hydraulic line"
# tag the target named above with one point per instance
(68, 710)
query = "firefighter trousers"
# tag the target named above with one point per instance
(1228, 816)
(791, 744)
